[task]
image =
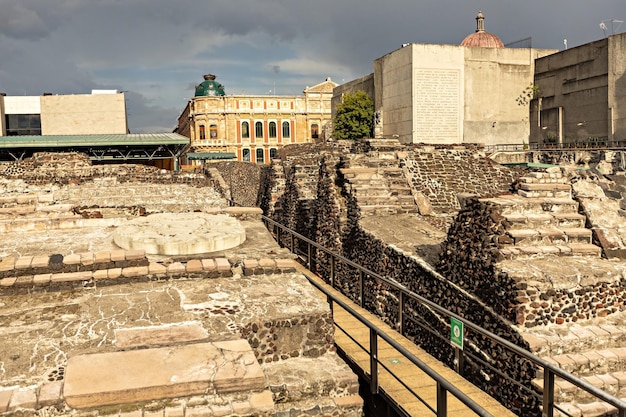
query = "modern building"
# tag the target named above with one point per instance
(94, 124)
(442, 94)
(252, 128)
(580, 95)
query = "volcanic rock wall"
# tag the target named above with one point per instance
(337, 213)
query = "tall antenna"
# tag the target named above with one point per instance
(615, 25)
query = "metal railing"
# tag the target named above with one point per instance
(303, 248)
(587, 144)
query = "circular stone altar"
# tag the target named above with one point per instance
(180, 233)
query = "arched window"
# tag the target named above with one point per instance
(245, 155)
(259, 155)
(315, 134)
(258, 130)
(272, 130)
(213, 131)
(245, 131)
(202, 132)
(273, 153)
(286, 130)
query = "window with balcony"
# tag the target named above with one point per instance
(245, 155)
(258, 130)
(245, 131)
(201, 132)
(286, 130)
(273, 153)
(213, 131)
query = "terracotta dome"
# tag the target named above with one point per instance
(482, 38)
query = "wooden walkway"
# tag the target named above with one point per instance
(409, 373)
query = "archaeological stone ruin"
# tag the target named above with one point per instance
(128, 290)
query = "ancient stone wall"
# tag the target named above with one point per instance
(534, 293)
(443, 173)
(337, 226)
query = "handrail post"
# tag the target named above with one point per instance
(401, 313)
(309, 257)
(292, 243)
(332, 271)
(278, 228)
(548, 393)
(361, 289)
(373, 361)
(458, 360)
(442, 401)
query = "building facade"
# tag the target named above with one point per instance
(580, 95)
(75, 114)
(443, 94)
(252, 128)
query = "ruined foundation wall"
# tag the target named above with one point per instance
(443, 173)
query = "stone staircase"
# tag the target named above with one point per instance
(543, 218)
(379, 189)
(595, 351)
(543, 227)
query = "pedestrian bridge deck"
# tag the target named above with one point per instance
(406, 373)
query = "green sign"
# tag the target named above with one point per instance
(456, 332)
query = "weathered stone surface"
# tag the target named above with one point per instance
(160, 335)
(142, 375)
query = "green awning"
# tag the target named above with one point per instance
(210, 156)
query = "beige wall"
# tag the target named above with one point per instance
(494, 79)
(83, 114)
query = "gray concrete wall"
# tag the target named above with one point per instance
(616, 123)
(573, 90)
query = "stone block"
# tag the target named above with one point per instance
(100, 274)
(23, 262)
(7, 282)
(267, 263)
(176, 268)
(102, 257)
(135, 254)
(5, 399)
(201, 411)
(118, 255)
(135, 271)
(72, 259)
(194, 265)
(114, 273)
(242, 408)
(42, 279)
(7, 264)
(174, 412)
(222, 264)
(40, 261)
(160, 335)
(71, 276)
(155, 268)
(208, 265)
(87, 258)
(221, 410)
(50, 393)
(285, 263)
(262, 401)
(137, 376)
(349, 401)
(23, 398)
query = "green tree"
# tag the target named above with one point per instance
(354, 117)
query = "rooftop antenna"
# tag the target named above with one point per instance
(615, 25)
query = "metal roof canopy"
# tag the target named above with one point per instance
(202, 156)
(120, 147)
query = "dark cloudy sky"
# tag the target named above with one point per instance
(157, 50)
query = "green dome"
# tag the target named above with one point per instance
(210, 87)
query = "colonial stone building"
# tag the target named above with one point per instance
(442, 94)
(252, 128)
(579, 94)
